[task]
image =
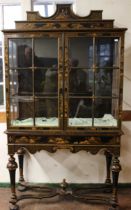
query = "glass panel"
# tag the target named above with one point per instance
(103, 82)
(107, 82)
(20, 53)
(21, 82)
(46, 51)
(1, 95)
(46, 112)
(46, 82)
(92, 86)
(81, 51)
(102, 106)
(1, 70)
(34, 82)
(21, 109)
(116, 56)
(80, 82)
(13, 82)
(106, 49)
(80, 112)
(106, 112)
(0, 46)
(115, 82)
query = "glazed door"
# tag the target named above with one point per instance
(36, 84)
(92, 80)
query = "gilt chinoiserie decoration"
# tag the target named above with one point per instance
(64, 87)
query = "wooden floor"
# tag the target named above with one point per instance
(63, 204)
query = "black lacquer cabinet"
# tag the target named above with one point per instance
(64, 86)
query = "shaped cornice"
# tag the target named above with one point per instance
(64, 19)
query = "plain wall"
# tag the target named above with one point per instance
(82, 167)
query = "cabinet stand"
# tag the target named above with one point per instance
(64, 189)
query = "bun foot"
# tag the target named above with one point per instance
(13, 207)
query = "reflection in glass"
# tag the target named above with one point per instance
(107, 52)
(84, 57)
(107, 82)
(46, 81)
(46, 50)
(115, 82)
(20, 53)
(103, 82)
(102, 106)
(1, 70)
(34, 81)
(25, 82)
(46, 112)
(21, 82)
(13, 82)
(21, 110)
(0, 45)
(106, 112)
(1, 95)
(80, 107)
(93, 80)
(80, 82)
(80, 112)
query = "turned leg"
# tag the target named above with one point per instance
(20, 153)
(22, 186)
(116, 168)
(108, 166)
(12, 165)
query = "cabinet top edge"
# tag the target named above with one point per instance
(64, 19)
(11, 31)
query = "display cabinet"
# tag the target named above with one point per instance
(64, 84)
